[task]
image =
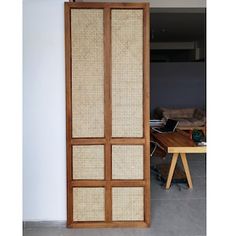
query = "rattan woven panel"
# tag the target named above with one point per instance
(87, 73)
(88, 162)
(127, 162)
(127, 203)
(127, 73)
(88, 204)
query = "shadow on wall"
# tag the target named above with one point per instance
(178, 85)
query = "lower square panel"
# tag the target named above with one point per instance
(88, 204)
(127, 162)
(88, 162)
(127, 203)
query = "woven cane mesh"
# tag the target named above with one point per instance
(87, 73)
(127, 73)
(127, 162)
(88, 204)
(88, 162)
(127, 203)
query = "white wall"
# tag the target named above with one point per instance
(44, 152)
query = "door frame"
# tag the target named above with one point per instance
(107, 140)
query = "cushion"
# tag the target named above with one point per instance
(178, 113)
(187, 117)
(190, 123)
(198, 114)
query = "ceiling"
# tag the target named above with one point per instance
(177, 26)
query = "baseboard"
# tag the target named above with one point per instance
(44, 224)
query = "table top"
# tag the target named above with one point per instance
(176, 142)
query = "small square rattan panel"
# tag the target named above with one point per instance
(88, 162)
(127, 203)
(127, 162)
(88, 204)
(87, 73)
(127, 73)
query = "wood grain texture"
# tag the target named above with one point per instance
(108, 112)
(172, 169)
(186, 169)
(197, 149)
(116, 224)
(88, 141)
(146, 110)
(178, 143)
(113, 183)
(107, 183)
(106, 5)
(68, 114)
(128, 141)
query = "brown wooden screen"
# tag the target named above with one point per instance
(107, 114)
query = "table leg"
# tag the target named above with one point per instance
(172, 168)
(186, 169)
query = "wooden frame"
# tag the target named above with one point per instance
(107, 141)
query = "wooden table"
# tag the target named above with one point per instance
(178, 144)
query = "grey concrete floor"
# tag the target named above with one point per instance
(175, 212)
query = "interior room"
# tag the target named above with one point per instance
(178, 63)
(178, 84)
(175, 177)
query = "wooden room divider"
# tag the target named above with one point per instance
(107, 114)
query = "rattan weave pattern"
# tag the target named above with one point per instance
(88, 162)
(127, 73)
(127, 161)
(87, 73)
(88, 204)
(127, 203)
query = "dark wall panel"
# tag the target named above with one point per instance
(178, 85)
